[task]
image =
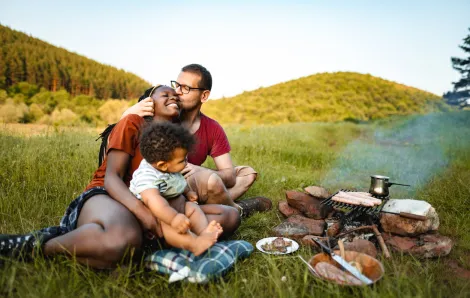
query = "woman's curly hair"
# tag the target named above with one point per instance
(159, 139)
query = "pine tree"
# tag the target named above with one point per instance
(460, 96)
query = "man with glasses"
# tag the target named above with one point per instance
(226, 183)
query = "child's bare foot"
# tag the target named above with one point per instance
(213, 226)
(202, 242)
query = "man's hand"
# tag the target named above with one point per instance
(180, 223)
(190, 170)
(147, 221)
(192, 196)
(142, 108)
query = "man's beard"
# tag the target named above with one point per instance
(191, 108)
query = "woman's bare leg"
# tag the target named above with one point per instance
(106, 231)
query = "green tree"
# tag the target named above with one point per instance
(27, 59)
(460, 96)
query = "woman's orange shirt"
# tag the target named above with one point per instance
(125, 136)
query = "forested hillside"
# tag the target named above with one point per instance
(324, 97)
(27, 59)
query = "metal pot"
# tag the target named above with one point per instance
(379, 185)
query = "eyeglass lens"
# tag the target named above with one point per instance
(185, 89)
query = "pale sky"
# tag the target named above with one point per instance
(250, 44)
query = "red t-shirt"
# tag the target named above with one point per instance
(125, 137)
(210, 140)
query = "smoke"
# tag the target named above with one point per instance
(411, 152)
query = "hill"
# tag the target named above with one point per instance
(323, 97)
(27, 59)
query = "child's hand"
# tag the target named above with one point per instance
(192, 196)
(180, 223)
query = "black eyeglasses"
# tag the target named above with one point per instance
(184, 89)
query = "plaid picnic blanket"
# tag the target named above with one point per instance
(183, 265)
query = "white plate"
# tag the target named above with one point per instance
(290, 249)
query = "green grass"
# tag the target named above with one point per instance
(41, 174)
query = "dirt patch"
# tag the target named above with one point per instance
(457, 270)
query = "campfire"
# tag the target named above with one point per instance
(364, 221)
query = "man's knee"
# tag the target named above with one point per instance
(215, 185)
(248, 180)
(119, 242)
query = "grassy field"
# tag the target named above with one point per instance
(43, 171)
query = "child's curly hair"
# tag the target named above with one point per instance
(159, 139)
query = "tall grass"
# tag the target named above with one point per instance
(41, 174)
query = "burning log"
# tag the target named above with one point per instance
(382, 244)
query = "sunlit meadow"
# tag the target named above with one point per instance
(43, 169)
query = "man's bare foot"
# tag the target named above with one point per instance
(213, 226)
(202, 242)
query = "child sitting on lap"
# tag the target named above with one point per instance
(158, 181)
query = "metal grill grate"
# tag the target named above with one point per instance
(355, 208)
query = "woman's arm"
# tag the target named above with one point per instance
(117, 163)
(142, 108)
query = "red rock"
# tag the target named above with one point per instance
(396, 224)
(298, 226)
(318, 192)
(363, 246)
(290, 230)
(314, 227)
(424, 246)
(307, 204)
(287, 210)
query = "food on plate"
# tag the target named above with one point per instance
(277, 245)
(356, 199)
(333, 273)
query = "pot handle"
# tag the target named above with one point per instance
(393, 183)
